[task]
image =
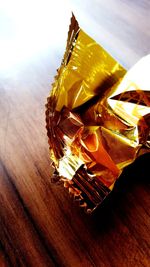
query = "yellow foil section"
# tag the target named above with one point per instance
(88, 68)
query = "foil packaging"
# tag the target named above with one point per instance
(97, 118)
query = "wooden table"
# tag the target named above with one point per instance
(39, 224)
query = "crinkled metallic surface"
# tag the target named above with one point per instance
(97, 118)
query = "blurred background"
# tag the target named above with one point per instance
(30, 28)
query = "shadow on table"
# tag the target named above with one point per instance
(131, 186)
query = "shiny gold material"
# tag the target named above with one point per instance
(98, 118)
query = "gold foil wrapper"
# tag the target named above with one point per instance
(97, 118)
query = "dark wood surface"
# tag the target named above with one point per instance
(39, 224)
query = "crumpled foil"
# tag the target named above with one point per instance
(97, 118)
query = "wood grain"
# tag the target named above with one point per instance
(39, 223)
(3, 258)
